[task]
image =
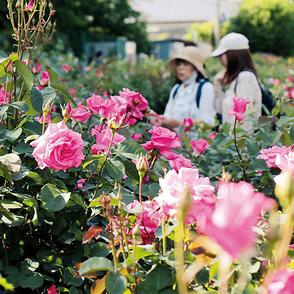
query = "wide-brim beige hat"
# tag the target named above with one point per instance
(191, 54)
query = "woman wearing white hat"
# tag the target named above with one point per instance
(192, 96)
(238, 79)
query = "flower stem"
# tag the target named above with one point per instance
(224, 273)
(163, 236)
(140, 188)
(238, 151)
(179, 254)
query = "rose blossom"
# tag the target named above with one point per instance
(212, 136)
(45, 80)
(188, 124)
(36, 68)
(103, 139)
(199, 146)
(66, 67)
(239, 108)
(199, 189)
(40, 119)
(80, 114)
(52, 290)
(149, 216)
(81, 183)
(29, 6)
(280, 282)
(94, 103)
(136, 136)
(269, 155)
(234, 233)
(180, 162)
(163, 140)
(72, 91)
(4, 96)
(59, 148)
(286, 162)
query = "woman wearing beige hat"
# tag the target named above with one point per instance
(192, 96)
(238, 79)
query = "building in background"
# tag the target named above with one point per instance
(170, 19)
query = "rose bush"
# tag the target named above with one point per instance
(95, 199)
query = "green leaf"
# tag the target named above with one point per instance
(37, 100)
(25, 73)
(158, 279)
(140, 252)
(59, 87)
(115, 169)
(13, 135)
(94, 265)
(49, 95)
(115, 283)
(53, 199)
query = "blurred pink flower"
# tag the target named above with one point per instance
(234, 233)
(188, 124)
(212, 136)
(199, 146)
(81, 183)
(40, 119)
(179, 162)
(45, 80)
(280, 282)
(4, 96)
(59, 148)
(201, 194)
(87, 68)
(66, 67)
(103, 141)
(163, 140)
(286, 162)
(136, 136)
(72, 91)
(94, 103)
(290, 92)
(239, 108)
(29, 6)
(80, 114)
(269, 155)
(36, 68)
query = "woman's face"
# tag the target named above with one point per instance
(224, 60)
(184, 69)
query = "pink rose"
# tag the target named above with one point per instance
(269, 155)
(59, 148)
(66, 67)
(188, 124)
(45, 80)
(52, 290)
(201, 194)
(29, 6)
(239, 108)
(72, 91)
(286, 162)
(149, 218)
(180, 162)
(40, 119)
(36, 68)
(81, 183)
(103, 140)
(162, 139)
(199, 146)
(80, 114)
(280, 282)
(94, 103)
(136, 137)
(212, 136)
(234, 233)
(4, 96)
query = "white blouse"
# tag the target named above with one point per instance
(247, 88)
(183, 105)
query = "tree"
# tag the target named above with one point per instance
(78, 21)
(268, 24)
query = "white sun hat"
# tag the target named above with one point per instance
(231, 41)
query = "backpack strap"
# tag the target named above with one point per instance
(199, 91)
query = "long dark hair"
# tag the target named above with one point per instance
(237, 61)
